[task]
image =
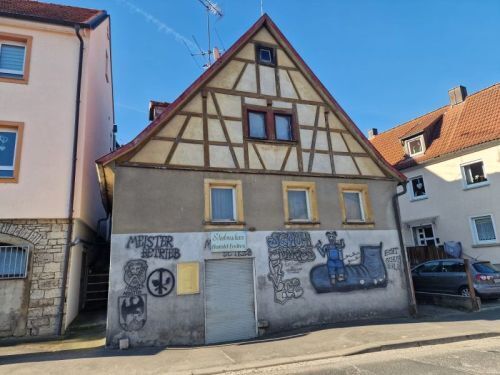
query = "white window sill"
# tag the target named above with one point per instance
(477, 185)
(489, 244)
(421, 198)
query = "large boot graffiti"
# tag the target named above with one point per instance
(334, 276)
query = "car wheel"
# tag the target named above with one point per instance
(464, 291)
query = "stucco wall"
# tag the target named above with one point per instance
(149, 201)
(46, 106)
(180, 319)
(449, 205)
(174, 200)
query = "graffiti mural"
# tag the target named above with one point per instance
(337, 276)
(132, 312)
(161, 246)
(160, 282)
(282, 247)
(392, 258)
(232, 254)
(134, 275)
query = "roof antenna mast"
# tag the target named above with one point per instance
(212, 9)
(261, 7)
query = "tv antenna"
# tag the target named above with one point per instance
(212, 10)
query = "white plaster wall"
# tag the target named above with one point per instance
(178, 320)
(452, 205)
(96, 132)
(46, 106)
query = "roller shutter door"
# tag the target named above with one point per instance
(229, 300)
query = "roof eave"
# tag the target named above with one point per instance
(90, 24)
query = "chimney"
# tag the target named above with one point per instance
(372, 133)
(457, 95)
(216, 54)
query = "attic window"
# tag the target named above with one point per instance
(415, 146)
(266, 55)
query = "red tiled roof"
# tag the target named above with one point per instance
(457, 127)
(263, 21)
(47, 12)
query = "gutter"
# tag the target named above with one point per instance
(69, 244)
(409, 281)
(90, 24)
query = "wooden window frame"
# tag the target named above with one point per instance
(366, 207)
(19, 128)
(270, 124)
(310, 188)
(238, 202)
(274, 55)
(27, 41)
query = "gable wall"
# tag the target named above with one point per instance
(208, 132)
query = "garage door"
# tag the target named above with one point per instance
(229, 300)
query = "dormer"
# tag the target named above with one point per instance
(416, 141)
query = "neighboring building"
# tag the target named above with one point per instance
(252, 204)
(451, 157)
(50, 206)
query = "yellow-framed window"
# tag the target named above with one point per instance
(299, 202)
(223, 202)
(355, 204)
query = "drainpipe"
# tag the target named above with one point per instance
(409, 281)
(72, 187)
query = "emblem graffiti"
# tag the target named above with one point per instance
(287, 246)
(132, 312)
(134, 276)
(160, 282)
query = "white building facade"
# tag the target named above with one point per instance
(452, 162)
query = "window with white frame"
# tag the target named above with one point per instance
(12, 58)
(298, 205)
(473, 174)
(415, 146)
(483, 229)
(223, 202)
(353, 203)
(8, 151)
(417, 188)
(299, 202)
(13, 261)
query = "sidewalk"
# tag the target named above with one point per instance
(435, 325)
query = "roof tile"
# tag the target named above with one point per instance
(470, 123)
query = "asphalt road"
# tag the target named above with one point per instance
(467, 357)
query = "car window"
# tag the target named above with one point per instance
(451, 266)
(485, 267)
(429, 267)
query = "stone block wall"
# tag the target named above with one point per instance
(47, 238)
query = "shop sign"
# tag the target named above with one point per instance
(228, 241)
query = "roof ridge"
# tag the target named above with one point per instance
(437, 109)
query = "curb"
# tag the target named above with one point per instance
(346, 353)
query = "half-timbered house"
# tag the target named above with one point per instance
(251, 204)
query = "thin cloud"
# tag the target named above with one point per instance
(161, 26)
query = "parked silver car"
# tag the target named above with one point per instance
(448, 276)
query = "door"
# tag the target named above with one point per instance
(452, 276)
(229, 300)
(424, 236)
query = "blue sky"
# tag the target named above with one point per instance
(385, 61)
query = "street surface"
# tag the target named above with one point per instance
(468, 357)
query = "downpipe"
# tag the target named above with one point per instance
(69, 243)
(406, 266)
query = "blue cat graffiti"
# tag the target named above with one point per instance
(335, 276)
